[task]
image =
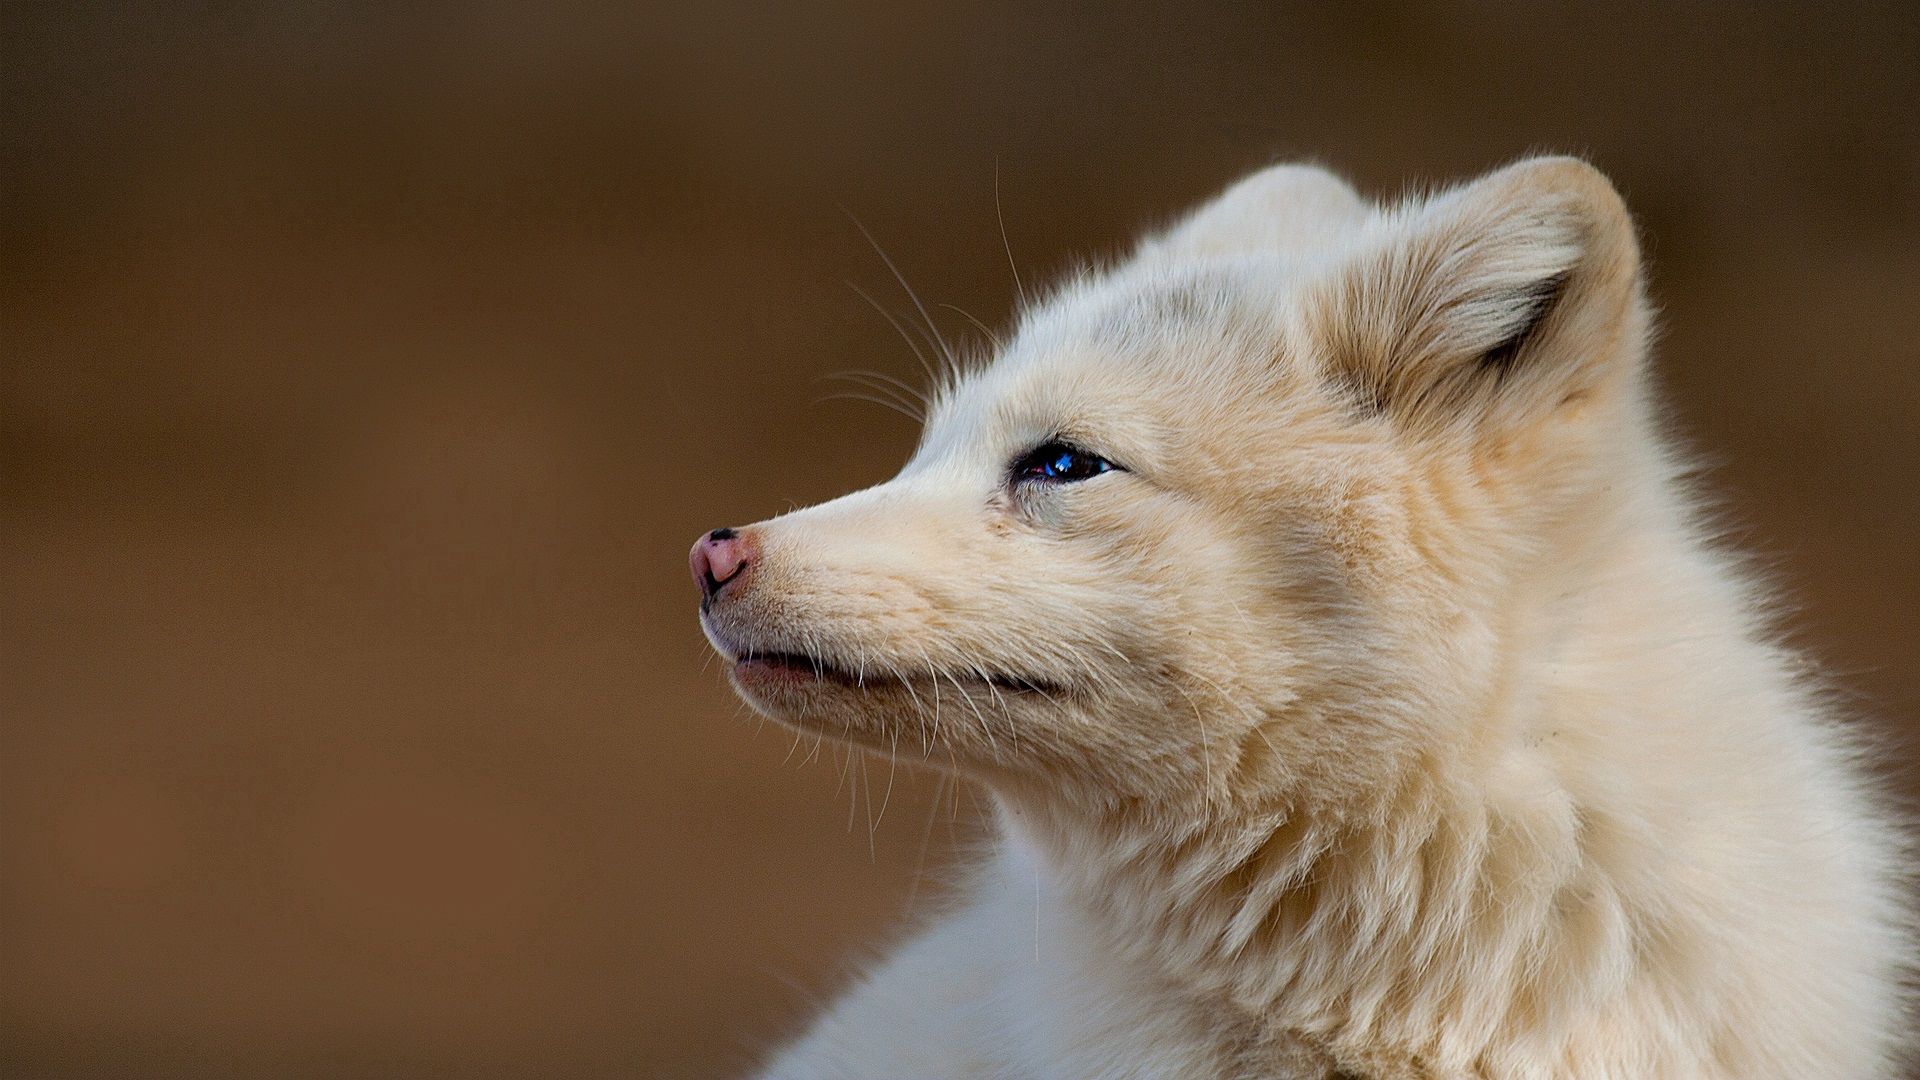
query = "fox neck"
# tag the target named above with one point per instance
(1369, 928)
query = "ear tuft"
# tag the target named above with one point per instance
(1501, 297)
(1279, 208)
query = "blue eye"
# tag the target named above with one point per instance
(1057, 462)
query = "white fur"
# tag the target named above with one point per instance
(1390, 715)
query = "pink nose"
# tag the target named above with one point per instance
(716, 559)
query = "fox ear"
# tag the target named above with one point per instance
(1278, 208)
(1497, 301)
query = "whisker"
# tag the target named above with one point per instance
(932, 327)
(912, 405)
(893, 765)
(853, 792)
(1206, 744)
(846, 763)
(933, 376)
(953, 813)
(886, 386)
(977, 324)
(978, 715)
(1013, 733)
(926, 834)
(884, 402)
(895, 381)
(867, 782)
(1019, 289)
(934, 674)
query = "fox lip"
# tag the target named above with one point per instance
(804, 666)
(789, 665)
(807, 667)
(785, 664)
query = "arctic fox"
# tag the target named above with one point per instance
(1358, 690)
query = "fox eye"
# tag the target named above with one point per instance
(1059, 463)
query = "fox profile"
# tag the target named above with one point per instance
(1359, 692)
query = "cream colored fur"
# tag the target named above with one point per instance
(1387, 714)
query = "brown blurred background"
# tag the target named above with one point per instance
(369, 368)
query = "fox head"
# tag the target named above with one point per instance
(1262, 515)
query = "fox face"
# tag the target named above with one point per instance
(1242, 519)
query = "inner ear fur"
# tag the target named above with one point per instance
(1495, 302)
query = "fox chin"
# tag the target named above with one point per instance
(1359, 691)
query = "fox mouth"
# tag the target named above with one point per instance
(794, 668)
(803, 665)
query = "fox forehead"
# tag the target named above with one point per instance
(1121, 363)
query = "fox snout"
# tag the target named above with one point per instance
(719, 559)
